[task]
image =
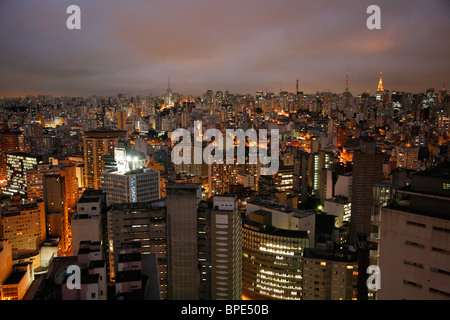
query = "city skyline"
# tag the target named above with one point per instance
(239, 47)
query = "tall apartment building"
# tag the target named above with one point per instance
(35, 183)
(329, 275)
(226, 249)
(367, 170)
(10, 141)
(414, 240)
(143, 222)
(86, 223)
(182, 233)
(97, 144)
(57, 210)
(121, 119)
(24, 227)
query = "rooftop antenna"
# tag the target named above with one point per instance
(346, 83)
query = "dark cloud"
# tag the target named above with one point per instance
(242, 46)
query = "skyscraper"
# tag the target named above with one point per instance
(9, 142)
(182, 233)
(17, 164)
(97, 144)
(130, 181)
(144, 223)
(367, 170)
(121, 119)
(57, 211)
(226, 249)
(380, 83)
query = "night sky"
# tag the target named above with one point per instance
(242, 46)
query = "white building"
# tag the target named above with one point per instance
(131, 181)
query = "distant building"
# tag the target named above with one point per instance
(17, 164)
(97, 144)
(9, 142)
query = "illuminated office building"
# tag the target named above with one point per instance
(9, 142)
(271, 259)
(17, 164)
(130, 181)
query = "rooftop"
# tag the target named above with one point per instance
(270, 230)
(124, 276)
(183, 186)
(14, 277)
(326, 254)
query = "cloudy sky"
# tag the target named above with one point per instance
(242, 46)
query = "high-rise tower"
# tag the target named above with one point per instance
(97, 144)
(346, 83)
(380, 83)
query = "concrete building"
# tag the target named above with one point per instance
(97, 144)
(182, 234)
(86, 223)
(15, 279)
(93, 279)
(367, 170)
(145, 223)
(340, 207)
(24, 227)
(329, 275)
(226, 249)
(414, 240)
(139, 185)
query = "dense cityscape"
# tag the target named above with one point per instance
(224, 157)
(363, 181)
